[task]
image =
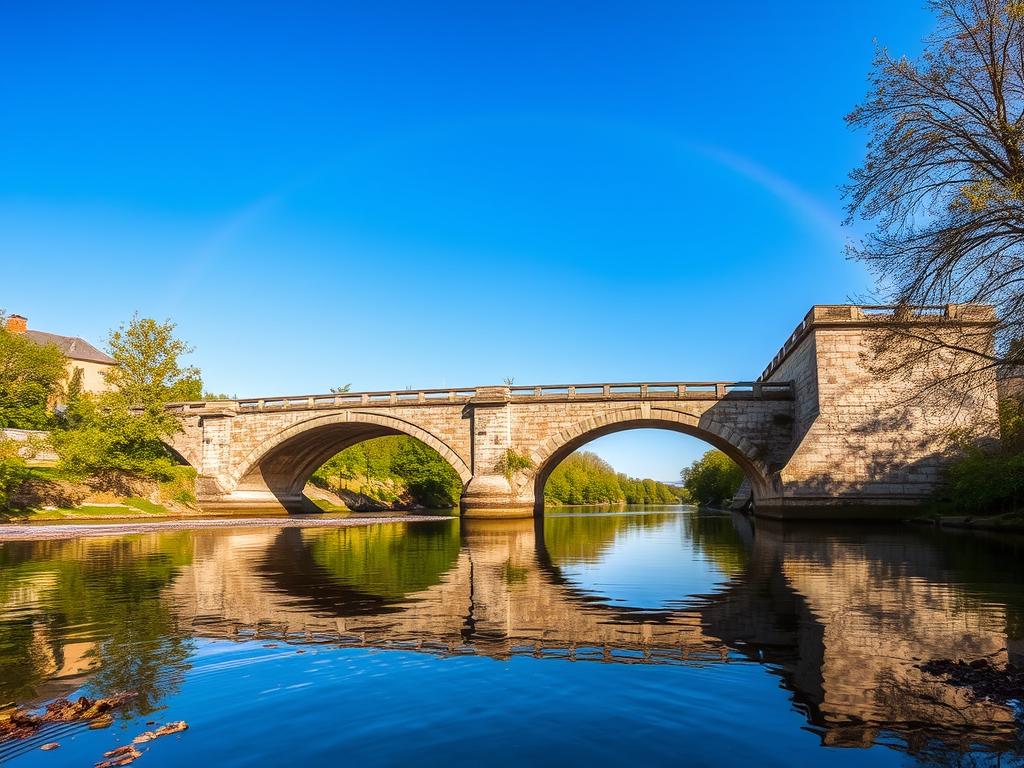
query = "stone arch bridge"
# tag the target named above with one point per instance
(819, 433)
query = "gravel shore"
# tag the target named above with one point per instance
(30, 531)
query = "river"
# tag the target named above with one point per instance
(649, 636)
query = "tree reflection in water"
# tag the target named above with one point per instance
(90, 611)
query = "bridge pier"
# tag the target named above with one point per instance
(492, 496)
(490, 493)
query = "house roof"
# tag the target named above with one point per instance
(73, 347)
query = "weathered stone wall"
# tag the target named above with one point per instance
(257, 458)
(866, 436)
(33, 443)
(824, 429)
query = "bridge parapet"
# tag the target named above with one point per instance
(629, 391)
(878, 315)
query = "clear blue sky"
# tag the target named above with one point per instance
(434, 194)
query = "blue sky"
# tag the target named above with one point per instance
(425, 195)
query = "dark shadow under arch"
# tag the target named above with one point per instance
(284, 462)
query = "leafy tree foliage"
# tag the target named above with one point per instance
(944, 174)
(388, 468)
(102, 434)
(713, 479)
(13, 471)
(149, 368)
(586, 478)
(31, 375)
(126, 430)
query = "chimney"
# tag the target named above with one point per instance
(17, 324)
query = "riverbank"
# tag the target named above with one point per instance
(27, 531)
(44, 493)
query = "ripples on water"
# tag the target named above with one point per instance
(664, 636)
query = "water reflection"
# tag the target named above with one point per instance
(842, 617)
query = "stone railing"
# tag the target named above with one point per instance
(659, 390)
(880, 314)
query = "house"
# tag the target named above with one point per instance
(78, 352)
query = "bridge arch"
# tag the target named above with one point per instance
(550, 453)
(283, 462)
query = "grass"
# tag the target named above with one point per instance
(144, 505)
(89, 512)
(327, 506)
(133, 507)
(43, 473)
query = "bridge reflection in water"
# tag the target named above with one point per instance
(843, 622)
(841, 617)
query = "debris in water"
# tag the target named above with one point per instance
(120, 756)
(983, 678)
(103, 721)
(164, 730)
(49, 746)
(18, 723)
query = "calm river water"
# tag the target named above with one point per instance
(662, 636)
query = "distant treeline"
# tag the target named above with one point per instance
(586, 478)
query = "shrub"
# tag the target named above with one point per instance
(13, 471)
(713, 479)
(512, 462)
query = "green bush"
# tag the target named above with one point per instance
(127, 430)
(713, 479)
(104, 435)
(512, 462)
(13, 472)
(990, 482)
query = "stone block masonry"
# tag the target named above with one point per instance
(820, 434)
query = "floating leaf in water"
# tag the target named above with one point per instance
(164, 730)
(51, 745)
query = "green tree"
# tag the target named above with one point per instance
(429, 478)
(713, 479)
(31, 376)
(108, 436)
(126, 430)
(149, 367)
